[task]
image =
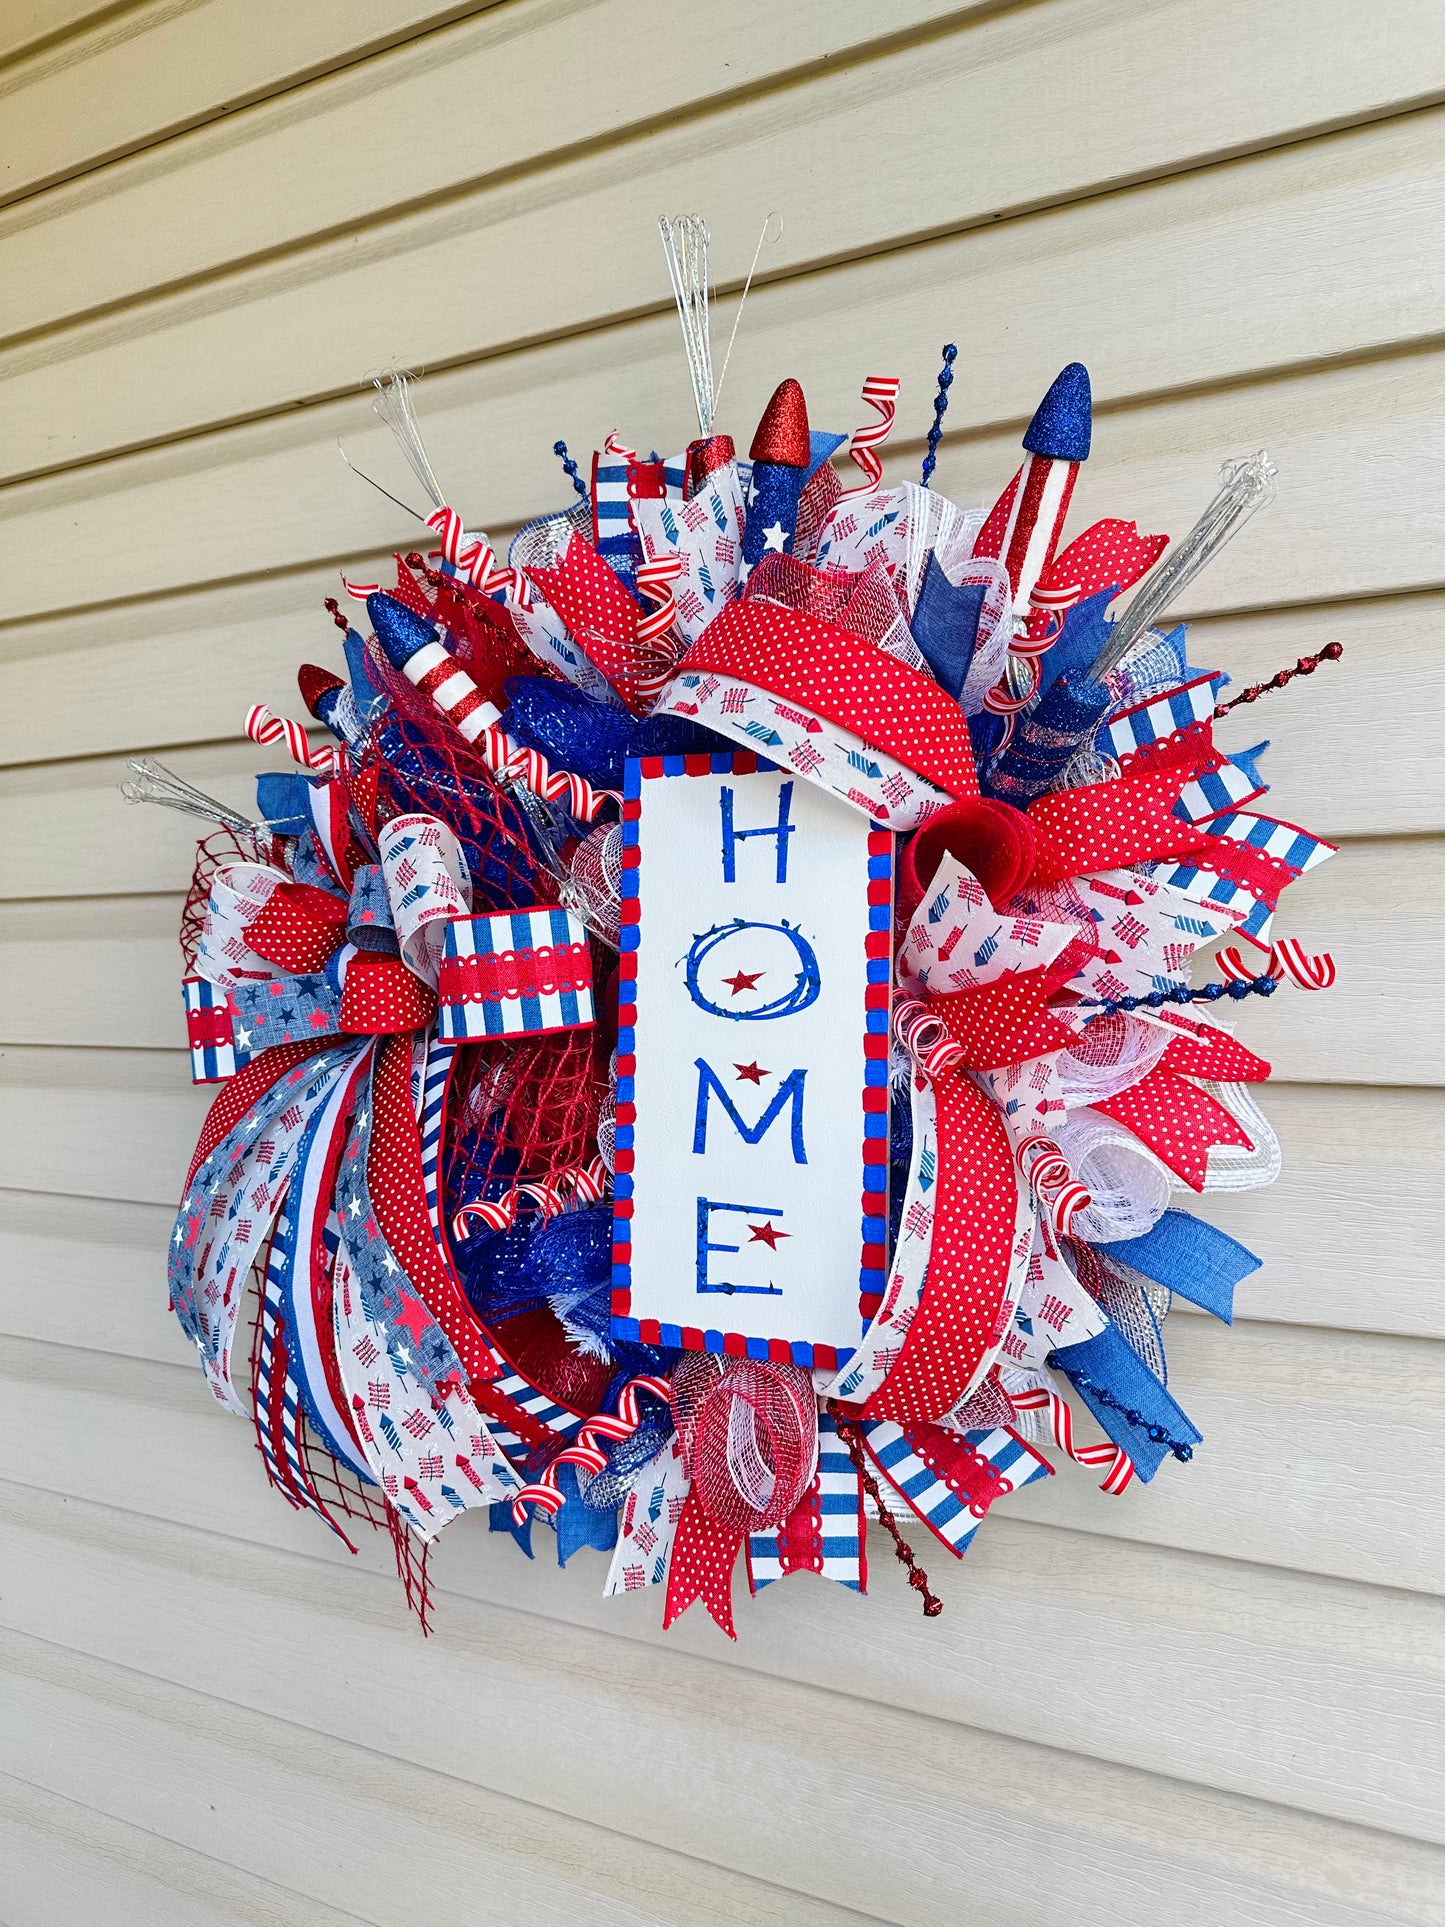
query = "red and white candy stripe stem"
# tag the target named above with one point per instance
(1050, 1176)
(583, 1184)
(923, 1036)
(585, 1451)
(436, 673)
(265, 728)
(471, 556)
(1121, 1467)
(880, 392)
(1287, 958)
(656, 647)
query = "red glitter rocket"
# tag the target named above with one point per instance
(781, 455)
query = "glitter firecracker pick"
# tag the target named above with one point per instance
(637, 1161)
(781, 456)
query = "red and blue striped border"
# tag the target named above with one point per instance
(879, 954)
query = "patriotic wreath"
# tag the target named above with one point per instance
(470, 1203)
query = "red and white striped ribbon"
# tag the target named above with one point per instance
(658, 649)
(472, 557)
(1121, 1467)
(923, 1036)
(583, 1184)
(585, 1451)
(880, 392)
(265, 728)
(1286, 958)
(1051, 1178)
(359, 591)
(1001, 699)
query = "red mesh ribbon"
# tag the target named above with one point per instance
(957, 1322)
(863, 604)
(1109, 825)
(1177, 1120)
(749, 1432)
(850, 681)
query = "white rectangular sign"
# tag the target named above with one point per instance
(752, 1062)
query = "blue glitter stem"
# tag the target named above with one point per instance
(1184, 1453)
(935, 434)
(569, 468)
(1181, 994)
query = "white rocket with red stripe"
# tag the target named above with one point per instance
(1024, 525)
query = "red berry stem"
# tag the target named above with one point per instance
(902, 1551)
(1306, 666)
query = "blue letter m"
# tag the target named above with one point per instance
(789, 1091)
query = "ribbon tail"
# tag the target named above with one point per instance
(1127, 1399)
(948, 1480)
(956, 1325)
(1179, 1122)
(1191, 1258)
(825, 1532)
(701, 1567)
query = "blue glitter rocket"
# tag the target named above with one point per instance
(1024, 525)
(781, 455)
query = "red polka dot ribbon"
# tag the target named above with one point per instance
(1111, 825)
(1179, 1122)
(846, 678)
(956, 1325)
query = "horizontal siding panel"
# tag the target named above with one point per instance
(159, 68)
(1197, 1669)
(67, 1863)
(1357, 513)
(1231, 255)
(1028, 1837)
(1289, 1473)
(27, 24)
(156, 675)
(341, 1824)
(290, 169)
(1349, 1238)
(107, 973)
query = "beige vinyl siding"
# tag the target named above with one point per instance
(1216, 1700)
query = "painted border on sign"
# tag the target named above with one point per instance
(874, 1193)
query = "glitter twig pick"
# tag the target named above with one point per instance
(940, 405)
(1306, 666)
(1246, 486)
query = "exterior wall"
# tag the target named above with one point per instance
(1215, 1700)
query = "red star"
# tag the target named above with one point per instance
(766, 1234)
(744, 981)
(751, 1073)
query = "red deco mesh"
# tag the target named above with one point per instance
(749, 1436)
(525, 1111)
(865, 605)
(341, 1494)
